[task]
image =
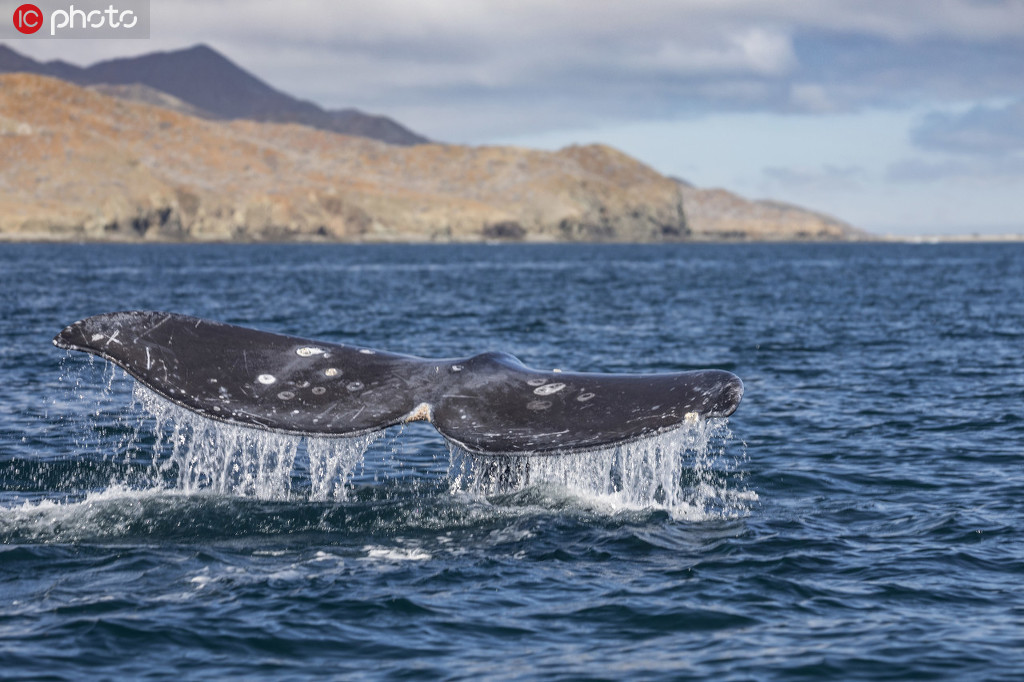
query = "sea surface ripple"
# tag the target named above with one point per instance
(859, 517)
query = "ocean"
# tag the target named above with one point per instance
(858, 518)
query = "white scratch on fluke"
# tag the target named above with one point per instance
(548, 389)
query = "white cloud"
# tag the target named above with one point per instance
(752, 51)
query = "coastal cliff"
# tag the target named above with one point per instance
(82, 165)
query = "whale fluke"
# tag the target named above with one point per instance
(489, 403)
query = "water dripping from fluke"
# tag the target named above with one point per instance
(685, 472)
(234, 460)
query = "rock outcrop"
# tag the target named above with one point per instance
(721, 215)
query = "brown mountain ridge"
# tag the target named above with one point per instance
(82, 165)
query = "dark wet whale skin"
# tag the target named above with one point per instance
(489, 403)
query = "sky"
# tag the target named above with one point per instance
(899, 117)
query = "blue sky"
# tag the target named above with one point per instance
(900, 117)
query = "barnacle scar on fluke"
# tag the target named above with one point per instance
(492, 404)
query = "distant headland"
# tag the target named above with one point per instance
(186, 146)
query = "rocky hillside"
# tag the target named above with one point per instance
(82, 165)
(718, 214)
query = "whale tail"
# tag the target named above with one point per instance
(488, 404)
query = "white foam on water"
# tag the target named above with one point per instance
(686, 472)
(112, 512)
(396, 554)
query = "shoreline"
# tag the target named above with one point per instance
(881, 239)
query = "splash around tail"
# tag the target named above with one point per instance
(235, 407)
(687, 472)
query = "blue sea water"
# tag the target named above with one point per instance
(861, 516)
